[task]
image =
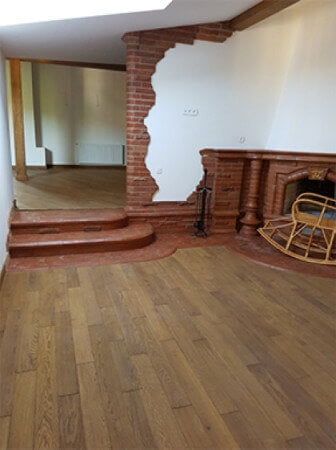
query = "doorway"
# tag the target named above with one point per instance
(74, 136)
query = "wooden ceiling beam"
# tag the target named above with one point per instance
(116, 67)
(259, 12)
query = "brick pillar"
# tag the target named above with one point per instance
(250, 220)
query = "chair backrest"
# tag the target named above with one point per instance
(324, 205)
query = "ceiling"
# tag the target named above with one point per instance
(98, 39)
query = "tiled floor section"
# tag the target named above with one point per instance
(255, 249)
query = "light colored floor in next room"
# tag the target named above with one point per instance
(66, 188)
(199, 350)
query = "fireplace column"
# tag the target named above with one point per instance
(250, 220)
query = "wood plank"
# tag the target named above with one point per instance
(65, 355)
(47, 299)
(242, 431)
(89, 297)
(60, 293)
(209, 377)
(22, 422)
(195, 434)
(4, 431)
(117, 416)
(26, 355)
(71, 425)
(132, 338)
(143, 436)
(72, 279)
(100, 288)
(46, 415)
(161, 419)
(206, 411)
(175, 394)
(111, 324)
(156, 322)
(81, 338)
(259, 12)
(127, 374)
(7, 363)
(94, 420)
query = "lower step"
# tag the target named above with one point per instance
(131, 237)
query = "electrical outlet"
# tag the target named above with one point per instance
(242, 139)
(191, 112)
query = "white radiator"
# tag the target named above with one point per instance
(96, 154)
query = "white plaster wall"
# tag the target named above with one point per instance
(236, 88)
(305, 117)
(69, 106)
(6, 184)
(80, 106)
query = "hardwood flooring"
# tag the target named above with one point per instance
(63, 188)
(199, 350)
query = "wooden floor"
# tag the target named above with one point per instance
(199, 350)
(63, 188)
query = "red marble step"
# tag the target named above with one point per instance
(54, 221)
(131, 237)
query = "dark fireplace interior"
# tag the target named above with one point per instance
(322, 187)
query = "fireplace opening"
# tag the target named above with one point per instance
(293, 190)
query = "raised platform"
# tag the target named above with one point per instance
(71, 232)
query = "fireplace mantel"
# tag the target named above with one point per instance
(279, 155)
(249, 185)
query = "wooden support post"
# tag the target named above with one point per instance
(18, 123)
(250, 220)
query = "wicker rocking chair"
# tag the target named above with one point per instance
(309, 234)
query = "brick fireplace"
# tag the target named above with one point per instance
(250, 186)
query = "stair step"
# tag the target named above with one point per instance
(131, 237)
(59, 220)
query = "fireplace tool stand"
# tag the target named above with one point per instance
(203, 208)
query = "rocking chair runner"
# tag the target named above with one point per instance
(307, 235)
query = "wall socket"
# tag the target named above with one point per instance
(191, 112)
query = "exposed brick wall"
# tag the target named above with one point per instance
(144, 50)
(229, 176)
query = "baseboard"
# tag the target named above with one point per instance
(85, 166)
(33, 167)
(73, 166)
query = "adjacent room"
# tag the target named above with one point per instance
(74, 119)
(168, 225)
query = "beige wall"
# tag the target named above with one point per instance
(67, 107)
